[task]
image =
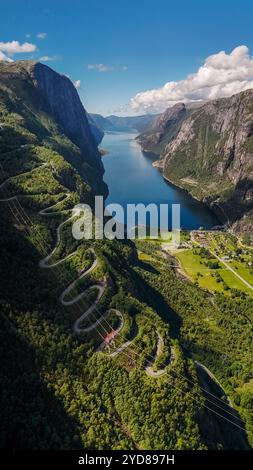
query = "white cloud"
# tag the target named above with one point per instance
(77, 83)
(49, 58)
(28, 35)
(4, 57)
(99, 67)
(221, 75)
(42, 35)
(106, 68)
(14, 47)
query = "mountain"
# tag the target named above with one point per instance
(212, 156)
(102, 122)
(57, 390)
(62, 300)
(96, 130)
(137, 123)
(164, 127)
(123, 124)
(44, 106)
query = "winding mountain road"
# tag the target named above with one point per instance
(149, 370)
(45, 262)
(100, 286)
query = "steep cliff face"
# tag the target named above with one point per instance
(96, 131)
(163, 129)
(42, 102)
(212, 155)
(60, 99)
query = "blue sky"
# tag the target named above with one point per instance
(140, 44)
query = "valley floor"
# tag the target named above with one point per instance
(216, 261)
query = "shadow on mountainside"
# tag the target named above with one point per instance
(31, 416)
(217, 432)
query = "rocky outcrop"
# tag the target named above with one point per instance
(164, 128)
(164, 120)
(212, 155)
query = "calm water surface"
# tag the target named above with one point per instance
(131, 178)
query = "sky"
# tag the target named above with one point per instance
(132, 57)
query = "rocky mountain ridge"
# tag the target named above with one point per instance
(212, 156)
(37, 100)
(124, 123)
(164, 127)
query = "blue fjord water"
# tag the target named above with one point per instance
(132, 179)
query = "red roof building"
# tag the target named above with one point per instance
(110, 336)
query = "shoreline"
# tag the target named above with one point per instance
(158, 164)
(184, 190)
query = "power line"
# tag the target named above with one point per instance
(15, 198)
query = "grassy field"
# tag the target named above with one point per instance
(197, 272)
(242, 269)
(200, 266)
(144, 256)
(212, 279)
(239, 257)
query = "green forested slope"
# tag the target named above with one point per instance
(56, 390)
